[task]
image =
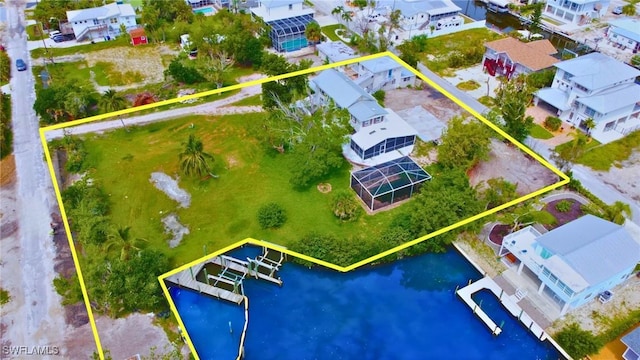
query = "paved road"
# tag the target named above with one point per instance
(39, 319)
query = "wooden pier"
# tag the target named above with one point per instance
(509, 302)
(187, 279)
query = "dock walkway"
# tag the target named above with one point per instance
(186, 279)
(509, 302)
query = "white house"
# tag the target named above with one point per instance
(625, 33)
(382, 73)
(575, 262)
(103, 21)
(380, 134)
(334, 51)
(288, 20)
(598, 87)
(510, 57)
(421, 14)
(577, 12)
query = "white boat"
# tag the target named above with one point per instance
(498, 6)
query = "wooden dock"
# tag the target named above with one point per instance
(186, 280)
(242, 266)
(509, 302)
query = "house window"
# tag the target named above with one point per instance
(590, 112)
(390, 73)
(567, 76)
(405, 79)
(609, 126)
(114, 21)
(366, 123)
(290, 6)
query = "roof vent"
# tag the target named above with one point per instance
(383, 128)
(372, 132)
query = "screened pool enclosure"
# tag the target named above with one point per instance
(288, 34)
(387, 183)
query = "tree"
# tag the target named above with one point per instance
(629, 9)
(618, 212)
(577, 342)
(512, 97)
(313, 33)
(112, 101)
(193, 159)
(5, 67)
(285, 90)
(497, 191)
(635, 61)
(121, 239)
(464, 143)
(183, 73)
(394, 23)
(535, 16)
(216, 65)
(345, 206)
(6, 135)
(271, 216)
(589, 124)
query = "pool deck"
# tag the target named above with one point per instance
(509, 302)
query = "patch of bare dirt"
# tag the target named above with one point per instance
(510, 163)
(624, 176)
(144, 60)
(7, 170)
(324, 188)
(430, 99)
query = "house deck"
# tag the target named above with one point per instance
(508, 301)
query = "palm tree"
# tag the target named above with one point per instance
(121, 238)
(112, 101)
(618, 212)
(589, 124)
(193, 160)
(313, 33)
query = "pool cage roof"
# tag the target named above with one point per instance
(391, 176)
(291, 26)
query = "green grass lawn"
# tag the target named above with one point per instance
(249, 101)
(440, 48)
(82, 49)
(468, 85)
(603, 157)
(222, 210)
(330, 31)
(539, 132)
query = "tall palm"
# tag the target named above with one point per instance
(618, 212)
(193, 159)
(589, 124)
(121, 238)
(112, 101)
(313, 33)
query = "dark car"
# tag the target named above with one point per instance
(21, 65)
(58, 38)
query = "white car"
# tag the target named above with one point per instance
(617, 10)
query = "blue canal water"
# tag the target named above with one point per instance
(403, 310)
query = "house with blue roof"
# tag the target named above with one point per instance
(598, 87)
(382, 73)
(625, 33)
(380, 134)
(102, 21)
(575, 262)
(421, 14)
(288, 20)
(632, 342)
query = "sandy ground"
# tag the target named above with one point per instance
(477, 74)
(430, 99)
(135, 334)
(624, 176)
(514, 166)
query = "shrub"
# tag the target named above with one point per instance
(271, 215)
(552, 123)
(564, 206)
(379, 95)
(577, 342)
(185, 74)
(345, 206)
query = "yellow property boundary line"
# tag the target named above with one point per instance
(56, 187)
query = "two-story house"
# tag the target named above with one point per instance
(420, 14)
(380, 134)
(625, 33)
(510, 57)
(575, 262)
(577, 12)
(103, 21)
(288, 20)
(382, 73)
(598, 87)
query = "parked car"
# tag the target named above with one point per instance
(21, 65)
(54, 33)
(617, 10)
(63, 37)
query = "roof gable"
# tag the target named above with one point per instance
(595, 70)
(595, 248)
(629, 28)
(535, 55)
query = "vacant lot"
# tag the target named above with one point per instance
(222, 210)
(143, 60)
(508, 162)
